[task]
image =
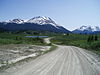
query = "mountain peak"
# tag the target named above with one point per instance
(42, 20)
(41, 17)
(16, 21)
(38, 20)
(39, 23)
(82, 28)
(89, 28)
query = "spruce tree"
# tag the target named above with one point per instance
(96, 38)
(88, 40)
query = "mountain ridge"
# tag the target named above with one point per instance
(87, 29)
(37, 23)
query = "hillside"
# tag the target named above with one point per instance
(36, 24)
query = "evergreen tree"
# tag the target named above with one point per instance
(92, 38)
(96, 38)
(88, 40)
(67, 34)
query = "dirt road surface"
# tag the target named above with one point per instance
(47, 40)
(65, 60)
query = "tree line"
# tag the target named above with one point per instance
(92, 38)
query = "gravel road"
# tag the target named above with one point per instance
(66, 60)
(47, 40)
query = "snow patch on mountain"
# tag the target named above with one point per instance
(89, 28)
(18, 21)
(42, 20)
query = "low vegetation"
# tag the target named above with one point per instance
(12, 38)
(90, 42)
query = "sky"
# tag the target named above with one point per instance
(68, 13)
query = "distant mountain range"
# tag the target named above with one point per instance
(39, 23)
(87, 30)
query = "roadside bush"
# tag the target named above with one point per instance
(95, 45)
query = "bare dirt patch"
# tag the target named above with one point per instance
(17, 52)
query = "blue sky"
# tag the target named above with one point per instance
(68, 13)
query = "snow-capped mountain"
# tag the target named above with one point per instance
(37, 24)
(18, 21)
(42, 20)
(37, 20)
(87, 29)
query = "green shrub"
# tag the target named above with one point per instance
(95, 45)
